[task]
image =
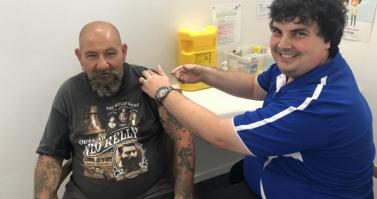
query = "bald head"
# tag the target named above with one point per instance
(102, 55)
(99, 29)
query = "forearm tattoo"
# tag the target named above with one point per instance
(185, 173)
(172, 125)
(184, 159)
(46, 178)
(184, 155)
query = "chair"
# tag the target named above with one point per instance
(66, 170)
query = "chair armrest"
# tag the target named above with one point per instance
(66, 170)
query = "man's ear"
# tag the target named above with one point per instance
(124, 50)
(328, 45)
(78, 55)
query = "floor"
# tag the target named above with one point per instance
(211, 184)
(222, 181)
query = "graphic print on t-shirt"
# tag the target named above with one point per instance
(112, 151)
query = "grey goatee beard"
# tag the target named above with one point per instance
(105, 89)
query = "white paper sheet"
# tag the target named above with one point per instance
(227, 18)
(262, 9)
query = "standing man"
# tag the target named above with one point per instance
(313, 136)
(108, 91)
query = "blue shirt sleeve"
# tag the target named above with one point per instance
(264, 79)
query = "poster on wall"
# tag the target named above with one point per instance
(263, 10)
(360, 17)
(227, 18)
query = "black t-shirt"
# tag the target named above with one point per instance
(118, 146)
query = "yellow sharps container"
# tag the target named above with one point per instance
(197, 46)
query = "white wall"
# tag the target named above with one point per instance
(363, 59)
(37, 41)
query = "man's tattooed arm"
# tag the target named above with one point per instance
(184, 157)
(47, 177)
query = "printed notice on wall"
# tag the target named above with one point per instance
(227, 18)
(263, 9)
(360, 16)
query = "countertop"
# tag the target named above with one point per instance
(221, 103)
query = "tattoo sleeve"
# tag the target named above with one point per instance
(47, 177)
(184, 155)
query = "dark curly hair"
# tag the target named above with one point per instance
(330, 16)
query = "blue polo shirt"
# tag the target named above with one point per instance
(312, 138)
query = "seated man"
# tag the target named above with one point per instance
(113, 156)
